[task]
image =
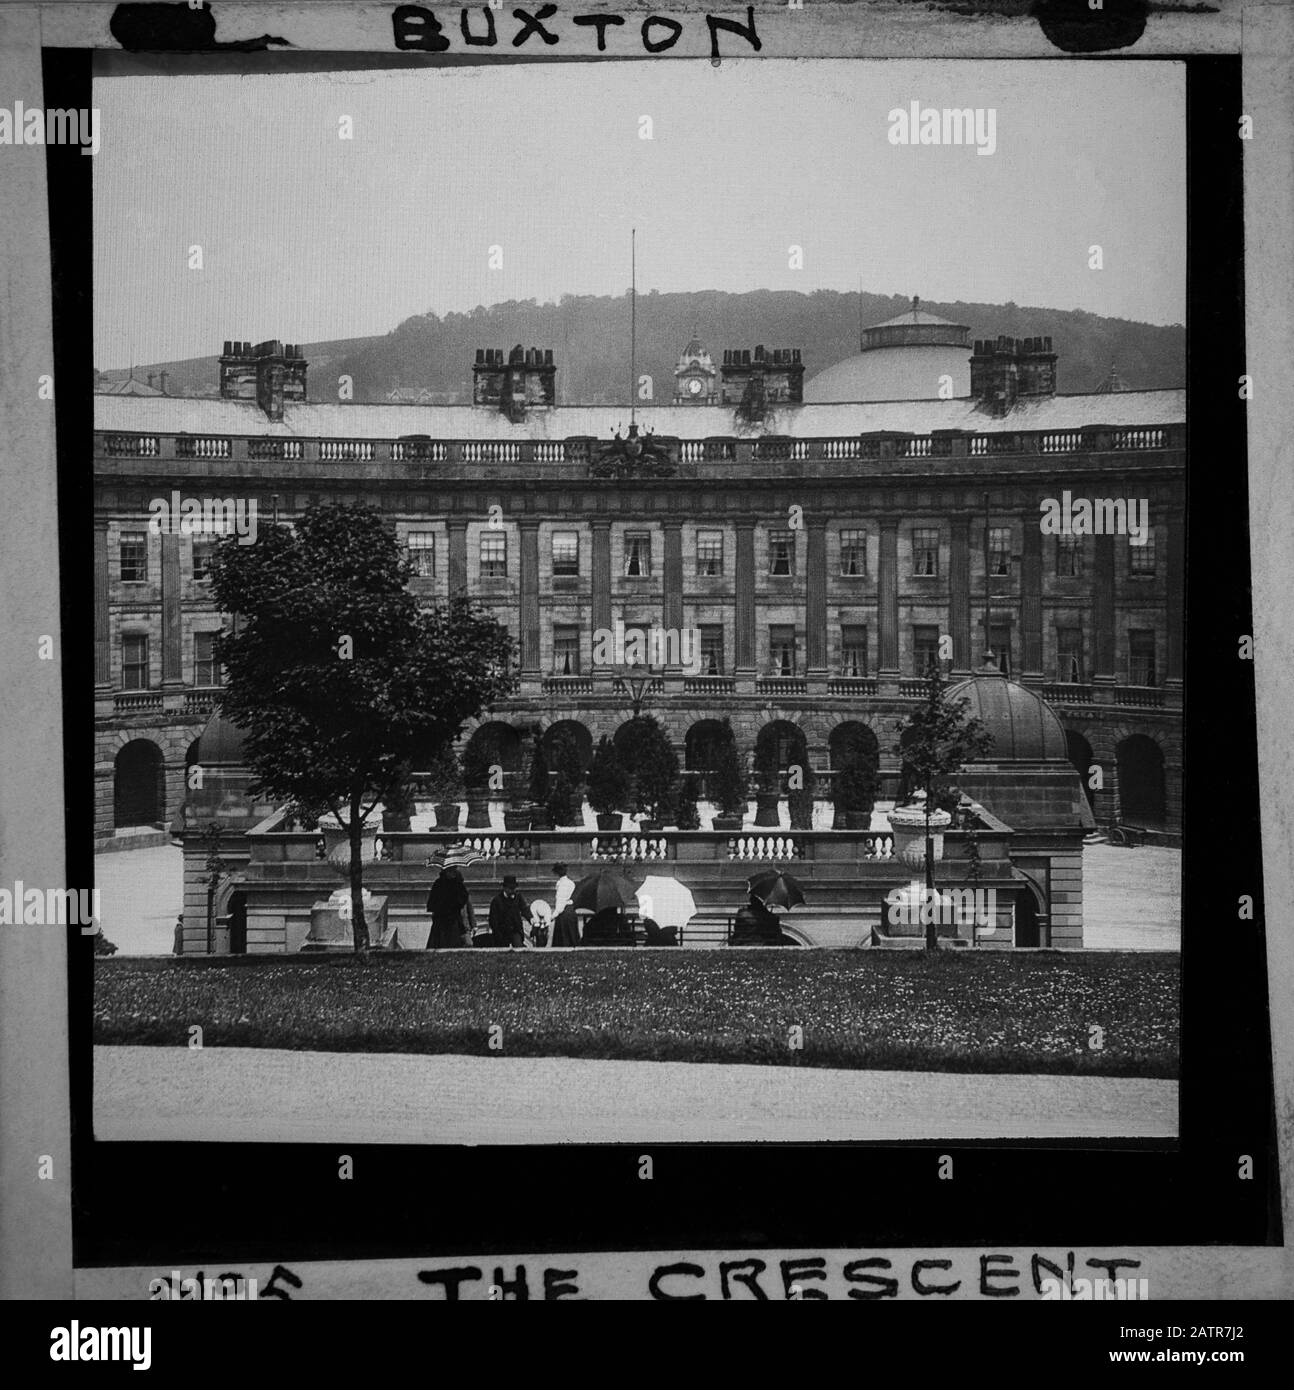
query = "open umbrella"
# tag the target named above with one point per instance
(776, 888)
(666, 901)
(454, 856)
(606, 888)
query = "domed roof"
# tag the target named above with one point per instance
(1023, 725)
(905, 358)
(221, 741)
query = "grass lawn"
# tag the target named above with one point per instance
(964, 1011)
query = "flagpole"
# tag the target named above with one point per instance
(633, 323)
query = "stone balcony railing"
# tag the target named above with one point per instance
(570, 457)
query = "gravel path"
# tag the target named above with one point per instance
(264, 1094)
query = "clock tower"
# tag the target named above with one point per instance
(695, 377)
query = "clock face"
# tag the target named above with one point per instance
(694, 386)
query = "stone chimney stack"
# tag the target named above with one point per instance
(268, 373)
(762, 380)
(1005, 369)
(526, 381)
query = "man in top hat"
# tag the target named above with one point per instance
(508, 911)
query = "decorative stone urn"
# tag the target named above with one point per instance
(337, 846)
(909, 826)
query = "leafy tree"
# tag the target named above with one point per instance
(652, 764)
(476, 765)
(688, 816)
(936, 740)
(538, 785)
(445, 776)
(608, 779)
(339, 677)
(727, 781)
(799, 800)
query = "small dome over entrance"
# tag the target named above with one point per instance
(1023, 725)
(222, 741)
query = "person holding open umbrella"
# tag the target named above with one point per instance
(755, 924)
(606, 894)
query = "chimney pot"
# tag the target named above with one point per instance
(548, 357)
(228, 345)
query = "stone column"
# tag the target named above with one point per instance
(172, 663)
(102, 639)
(888, 608)
(1103, 646)
(601, 581)
(959, 598)
(744, 592)
(457, 556)
(529, 596)
(815, 605)
(1175, 580)
(672, 576)
(1031, 604)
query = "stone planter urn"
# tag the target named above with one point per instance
(540, 819)
(447, 813)
(726, 823)
(768, 808)
(651, 827)
(516, 818)
(478, 809)
(610, 821)
(909, 826)
(337, 846)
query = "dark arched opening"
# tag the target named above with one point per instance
(138, 792)
(1141, 781)
(569, 737)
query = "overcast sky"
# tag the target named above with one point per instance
(306, 236)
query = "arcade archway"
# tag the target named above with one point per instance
(138, 791)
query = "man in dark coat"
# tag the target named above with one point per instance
(507, 912)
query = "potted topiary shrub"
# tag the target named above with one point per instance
(728, 782)
(687, 814)
(855, 793)
(768, 784)
(399, 807)
(538, 789)
(653, 767)
(560, 802)
(516, 814)
(476, 778)
(608, 787)
(800, 800)
(445, 781)
(565, 760)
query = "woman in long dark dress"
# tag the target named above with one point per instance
(451, 910)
